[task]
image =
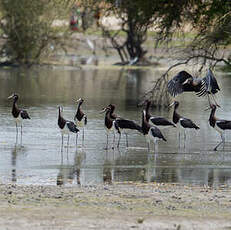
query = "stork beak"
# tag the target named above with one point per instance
(172, 104)
(60, 108)
(185, 82)
(78, 100)
(207, 108)
(103, 110)
(11, 96)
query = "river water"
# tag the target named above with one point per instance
(38, 158)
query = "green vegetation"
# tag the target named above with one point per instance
(209, 20)
(27, 26)
(29, 31)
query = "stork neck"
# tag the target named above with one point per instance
(112, 109)
(107, 120)
(112, 115)
(14, 103)
(147, 116)
(60, 113)
(79, 105)
(61, 120)
(148, 106)
(212, 119)
(15, 110)
(107, 115)
(176, 116)
(145, 125)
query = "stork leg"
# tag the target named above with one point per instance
(209, 100)
(126, 139)
(184, 137)
(16, 128)
(61, 156)
(215, 101)
(62, 140)
(106, 143)
(76, 140)
(118, 145)
(68, 137)
(223, 138)
(222, 142)
(16, 132)
(179, 139)
(21, 133)
(148, 146)
(113, 140)
(155, 145)
(83, 137)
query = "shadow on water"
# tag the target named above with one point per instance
(39, 159)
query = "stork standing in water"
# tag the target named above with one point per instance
(18, 114)
(158, 121)
(66, 127)
(123, 124)
(219, 125)
(80, 117)
(184, 122)
(109, 125)
(185, 82)
(151, 132)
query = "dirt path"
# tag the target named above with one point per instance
(117, 206)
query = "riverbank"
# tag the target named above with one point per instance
(115, 206)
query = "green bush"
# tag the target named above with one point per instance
(27, 26)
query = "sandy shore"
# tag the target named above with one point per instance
(116, 206)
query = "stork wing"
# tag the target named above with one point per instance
(175, 85)
(161, 121)
(24, 114)
(157, 133)
(213, 85)
(72, 127)
(224, 124)
(187, 123)
(210, 84)
(85, 120)
(128, 124)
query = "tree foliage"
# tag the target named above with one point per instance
(210, 21)
(136, 18)
(27, 26)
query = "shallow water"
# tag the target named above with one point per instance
(39, 159)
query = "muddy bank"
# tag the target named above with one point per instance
(117, 206)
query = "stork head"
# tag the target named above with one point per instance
(175, 104)
(14, 96)
(80, 100)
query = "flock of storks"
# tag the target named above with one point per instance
(182, 82)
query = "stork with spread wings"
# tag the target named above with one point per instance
(185, 82)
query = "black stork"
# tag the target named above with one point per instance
(150, 131)
(219, 125)
(158, 121)
(185, 82)
(66, 127)
(18, 114)
(109, 125)
(184, 122)
(80, 117)
(122, 124)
